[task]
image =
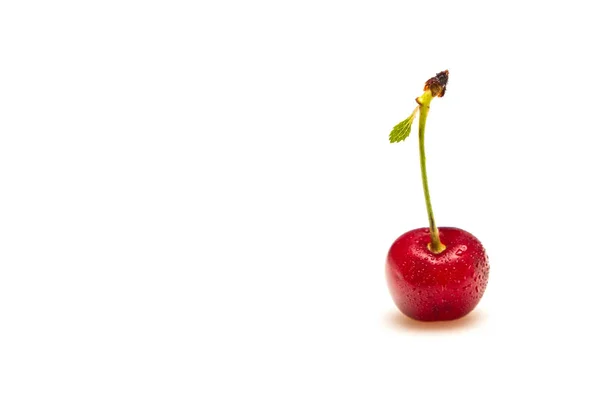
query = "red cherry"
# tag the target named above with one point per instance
(436, 287)
(434, 274)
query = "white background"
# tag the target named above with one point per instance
(196, 198)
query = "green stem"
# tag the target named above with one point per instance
(435, 246)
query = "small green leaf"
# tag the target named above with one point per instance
(402, 130)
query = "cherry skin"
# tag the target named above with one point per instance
(437, 287)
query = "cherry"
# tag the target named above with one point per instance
(434, 274)
(434, 287)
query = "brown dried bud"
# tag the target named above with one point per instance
(437, 84)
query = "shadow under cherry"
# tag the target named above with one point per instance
(397, 320)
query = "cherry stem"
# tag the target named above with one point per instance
(435, 246)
